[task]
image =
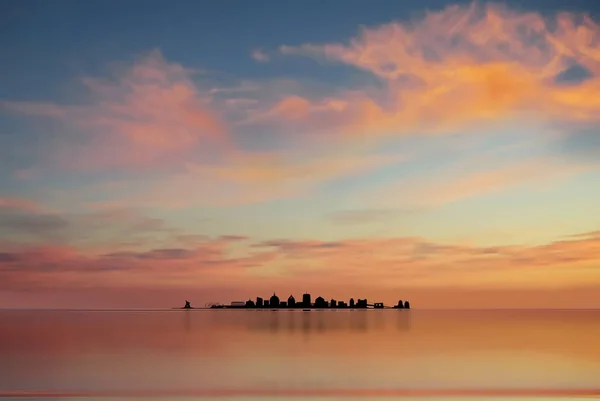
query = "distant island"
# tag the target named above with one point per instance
(320, 303)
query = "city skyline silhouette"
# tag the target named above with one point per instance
(274, 302)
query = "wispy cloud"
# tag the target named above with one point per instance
(147, 113)
(424, 263)
(376, 262)
(92, 229)
(154, 116)
(26, 266)
(255, 177)
(474, 178)
(365, 216)
(20, 204)
(260, 56)
(457, 67)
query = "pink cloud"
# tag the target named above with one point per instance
(20, 204)
(152, 114)
(22, 265)
(147, 113)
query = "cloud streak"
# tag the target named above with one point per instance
(250, 178)
(27, 266)
(87, 229)
(376, 262)
(20, 204)
(473, 178)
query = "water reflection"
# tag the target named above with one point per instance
(191, 350)
(313, 322)
(187, 321)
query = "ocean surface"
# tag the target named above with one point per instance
(337, 354)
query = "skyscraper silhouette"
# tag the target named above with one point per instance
(306, 302)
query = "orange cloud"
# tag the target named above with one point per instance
(457, 67)
(416, 262)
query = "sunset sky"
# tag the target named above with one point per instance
(446, 153)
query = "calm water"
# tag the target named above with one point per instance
(254, 354)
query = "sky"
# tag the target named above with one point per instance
(438, 151)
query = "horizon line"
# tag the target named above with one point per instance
(269, 308)
(312, 392)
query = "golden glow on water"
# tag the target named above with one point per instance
(284, 353)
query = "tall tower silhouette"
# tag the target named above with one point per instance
(306, 301)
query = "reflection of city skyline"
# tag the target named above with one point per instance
(322, 322)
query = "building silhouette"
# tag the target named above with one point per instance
(406, 305)
(361, 303)
(320, 302)
(333, 303)
(266, 304)
(291, 301)
(352, 302)
(274, 301)
(259, 302)
(306, 300)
